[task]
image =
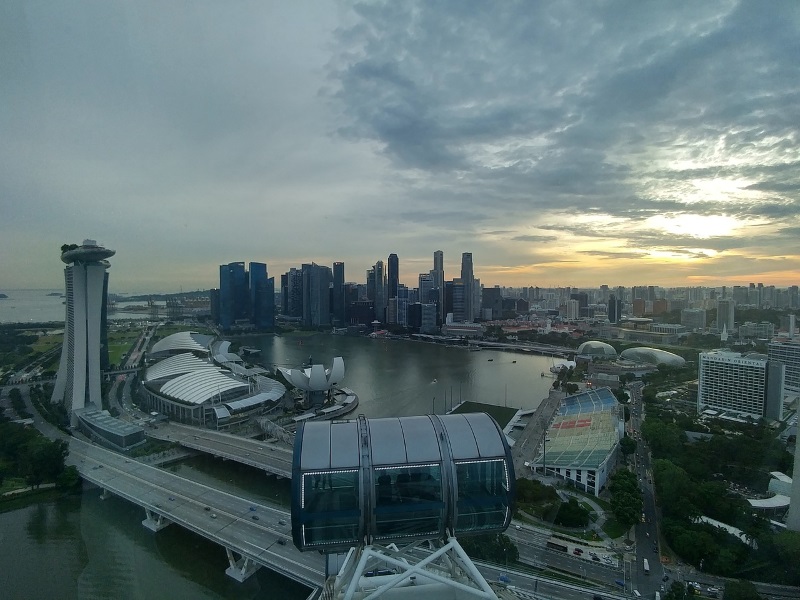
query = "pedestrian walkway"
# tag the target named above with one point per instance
(44, 486)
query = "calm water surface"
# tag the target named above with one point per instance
(90, 548)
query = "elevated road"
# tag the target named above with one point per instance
(259, 534)
(272, 457)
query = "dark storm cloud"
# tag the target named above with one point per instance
(230, 132)
(566, 103)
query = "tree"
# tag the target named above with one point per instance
(741, 590)
(627, 445)
(497, 548)
(572, 514)
(626, 498)
(43, 460)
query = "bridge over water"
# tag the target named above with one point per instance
(271, 457)
(253, 534)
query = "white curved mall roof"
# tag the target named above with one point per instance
(199, 386)
(777, 501)
(653, 356)
(316, 378)
(190, 341)
(595, 348)
(176, 365)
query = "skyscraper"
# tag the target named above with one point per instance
(317, 281)
(262, 297)
(468, 281)
(86, 290)
(438, 280)
(234, 297)
(393, 275)
(338, 294)
(379, 291)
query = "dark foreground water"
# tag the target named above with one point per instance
(98, 549)
(90, 548)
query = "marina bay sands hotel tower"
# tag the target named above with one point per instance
(86, 285)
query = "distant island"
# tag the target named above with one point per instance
(3, 296)
(54, 294)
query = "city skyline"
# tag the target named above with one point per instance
(561, 145)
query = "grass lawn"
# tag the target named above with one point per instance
(501, 414)
(613, 528)
(46, 342)
(12, 483)
(119, 342)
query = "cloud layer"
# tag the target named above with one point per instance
(562, 143)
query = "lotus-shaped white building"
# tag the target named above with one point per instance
(315, 380)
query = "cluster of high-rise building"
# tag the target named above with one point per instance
(318, 296)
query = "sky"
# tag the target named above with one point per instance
(562, 143)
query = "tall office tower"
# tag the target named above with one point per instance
(573, 309)
(379, 291)
(86, 290)
(338, 294)
(583, 304)
(614, 309)
(725, 315)
(294, 293)
(425, 287)
(638, 291)
(262, 297)
(234, 297)
(468, 281)
(604, 294)
(393, 275)
(492, 303)
(621, 294)
(789, 324)
(788, 354)
(694, 319)
(477, 297)
(746, 385)
(285, 294)
(651, 293)
(438, 280)
(794, 297)
(317, 281)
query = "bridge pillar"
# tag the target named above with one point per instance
(241, 569)
(105, 495)
(155, 521)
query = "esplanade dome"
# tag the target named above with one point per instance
(595, 348)
(652, 356)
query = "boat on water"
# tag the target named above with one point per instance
(490, 359)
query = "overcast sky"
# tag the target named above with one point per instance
(562, 143)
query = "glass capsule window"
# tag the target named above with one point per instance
(408, 501)
(483, 498)
(330, 507)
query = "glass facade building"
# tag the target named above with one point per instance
(381, 480)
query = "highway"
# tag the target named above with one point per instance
(272, 457)
(252, 530)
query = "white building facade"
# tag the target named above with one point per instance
(748, 385)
